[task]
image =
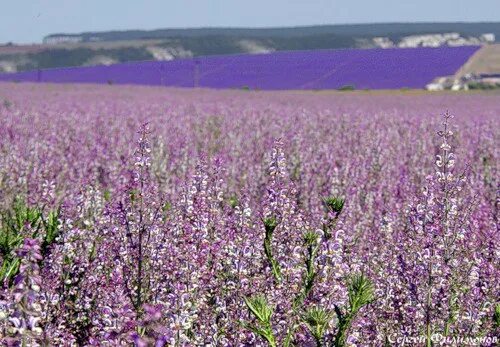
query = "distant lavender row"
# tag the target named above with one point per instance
(324, 69)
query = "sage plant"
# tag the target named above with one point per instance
(232, 219)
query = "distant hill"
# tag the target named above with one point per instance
(104, 48)
(393, 31)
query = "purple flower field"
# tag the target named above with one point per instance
(142, 216)
(320, 69)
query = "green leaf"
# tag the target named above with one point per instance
(360, 292)
(270, 224)
(107, 195)
(261, 310)
(334, 204)
(9, 269)
(233, 201)
(310, 238)
(51, 228)
(259, 307)
(317, 321)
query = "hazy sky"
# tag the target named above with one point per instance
(30, 20)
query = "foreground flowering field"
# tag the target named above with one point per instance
(157, 217)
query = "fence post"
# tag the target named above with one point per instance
(196, 77)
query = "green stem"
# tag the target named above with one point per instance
(344, 325)
(269, 254)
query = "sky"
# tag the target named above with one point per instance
(28, 21)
